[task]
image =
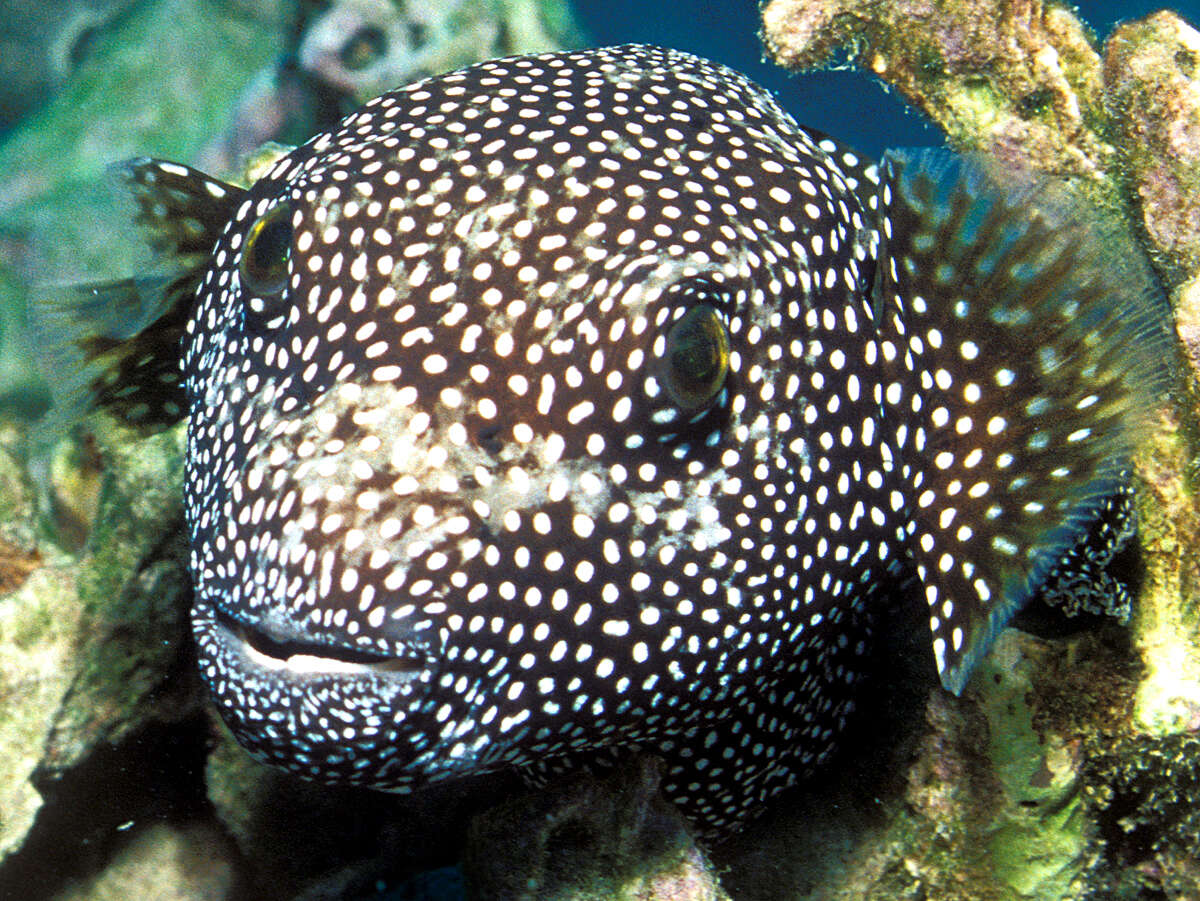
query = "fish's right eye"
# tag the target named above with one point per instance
(697, 358)
(265, 255)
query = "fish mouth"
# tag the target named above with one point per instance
(267, 650)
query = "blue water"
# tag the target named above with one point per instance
(847, 105)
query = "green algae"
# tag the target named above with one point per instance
(159, 85)
(1039, 845)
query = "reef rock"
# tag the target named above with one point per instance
(1017, 78)
(100, 701)
(1083, 785)
(589, 839)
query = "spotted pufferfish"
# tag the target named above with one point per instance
(584, 404)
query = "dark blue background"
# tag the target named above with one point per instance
(847, 105)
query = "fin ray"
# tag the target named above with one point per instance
(1025, 343)
(116, 342)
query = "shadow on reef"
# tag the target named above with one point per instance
(304, 841)
(89, 812)
(1147, 793)
(822, 820)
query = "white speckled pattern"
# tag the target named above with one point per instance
(584, 402)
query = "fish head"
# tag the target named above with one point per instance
(498, 446)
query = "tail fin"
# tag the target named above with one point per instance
(1024, 345)
(116, 343)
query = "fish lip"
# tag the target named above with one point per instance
(257, 650)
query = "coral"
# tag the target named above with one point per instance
(365, 47)
(94, 671)
(1024, 80)
(1147, 795)
(343, 53)
(1018, 79)
(165, 863)
(1112, 735)
(1152, 81)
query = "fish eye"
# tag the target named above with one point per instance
(696, 358)
(265, 255)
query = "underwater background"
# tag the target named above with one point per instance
(845, 103)
(848, 104)
(66, 855)
(852, 106)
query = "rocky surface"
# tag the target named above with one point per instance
(585, 838)
(1152, 81)
(1020, 78)
(101, 702)
(162, 863)
(1086, 784)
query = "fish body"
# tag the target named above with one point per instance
(584, 403)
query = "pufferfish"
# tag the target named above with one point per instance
(583, 404)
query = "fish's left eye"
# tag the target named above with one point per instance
(265, 255)
(696, 358)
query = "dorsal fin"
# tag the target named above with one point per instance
(1024, 344)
